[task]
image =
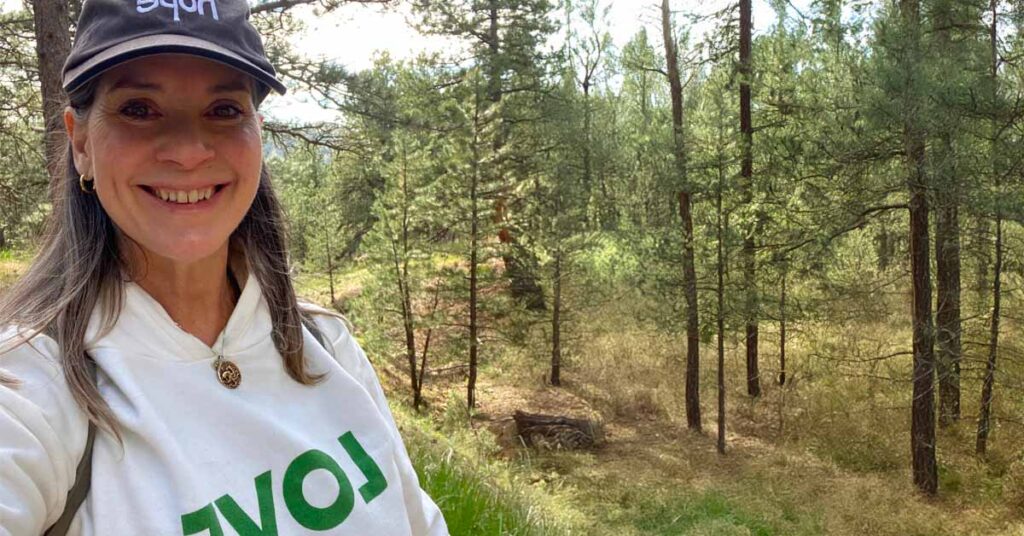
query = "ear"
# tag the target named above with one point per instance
(78, 134)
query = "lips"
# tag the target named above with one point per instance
(184, 197)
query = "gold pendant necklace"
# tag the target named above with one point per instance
(228, 373)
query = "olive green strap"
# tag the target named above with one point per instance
(83, 478)
(318, 334)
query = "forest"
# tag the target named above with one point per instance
(726, 278)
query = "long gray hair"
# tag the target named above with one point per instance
(81, 264)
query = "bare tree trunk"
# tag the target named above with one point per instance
(330, 265)
(53, 44)
(746, 193)
(410, 345)
(923, 406)
(588, 173)
(947, 314)
(689, 271)
(947, 254)
(782, 329)
(985, 411)
(720, 312)
(473, 335)
(922, 424)
(474, 244)
(426, 347)
(400, 264)
(556, 324)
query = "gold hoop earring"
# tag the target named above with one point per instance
(83, 181)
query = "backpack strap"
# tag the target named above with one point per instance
(83, 477)
(318, 334)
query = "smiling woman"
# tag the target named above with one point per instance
(160, 310)
(161, 130)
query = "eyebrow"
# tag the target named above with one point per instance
(236, 85)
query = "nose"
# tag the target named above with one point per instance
(185, 144)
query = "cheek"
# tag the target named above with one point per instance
(245, 152)
(115, 158)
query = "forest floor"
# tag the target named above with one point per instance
(650, 476)
(823, 455)
(826, 454)
(653, 477)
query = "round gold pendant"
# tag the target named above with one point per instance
(228, 374)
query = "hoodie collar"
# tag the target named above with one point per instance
(144, 328)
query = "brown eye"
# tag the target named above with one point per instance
(226, 111)
(137, 110)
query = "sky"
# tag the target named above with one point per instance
(354, 34)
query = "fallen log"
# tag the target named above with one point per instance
(556, 432)
(452, 371)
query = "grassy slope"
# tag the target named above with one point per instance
(825, 455)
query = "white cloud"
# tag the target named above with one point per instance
(7, 6)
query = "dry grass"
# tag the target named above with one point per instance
(827, 454)
(12, 265)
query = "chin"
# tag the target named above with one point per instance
(184, 250)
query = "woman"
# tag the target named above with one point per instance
(160, 311)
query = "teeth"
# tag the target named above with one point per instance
(183, 197)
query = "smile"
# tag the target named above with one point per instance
(184, 197)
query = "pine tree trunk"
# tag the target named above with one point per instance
(947, 251)
(782, 330)
(520, 263)
(474, 244)
(53, 44)
(985, 411)
(330, 265)
(473, 262)
(922, 424)
(683, 196)
(720, 312)
(410, 345)
(400, 264)
(746, 193)
(556, 324)
(588, 173)
(947, 312)
(922, 428)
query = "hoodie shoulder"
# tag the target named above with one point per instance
(42, 423)
(337, 333)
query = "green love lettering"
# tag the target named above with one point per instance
(304, 513)
(241, 522)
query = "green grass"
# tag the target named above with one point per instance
(710, 513)
(470, 505)
(477, 496)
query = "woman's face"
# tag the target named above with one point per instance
(173, 142)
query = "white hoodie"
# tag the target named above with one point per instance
(272, 457)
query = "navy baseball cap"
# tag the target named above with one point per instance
(111, 32)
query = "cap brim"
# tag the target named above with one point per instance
(165, 44)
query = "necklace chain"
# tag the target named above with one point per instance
(228, 373)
